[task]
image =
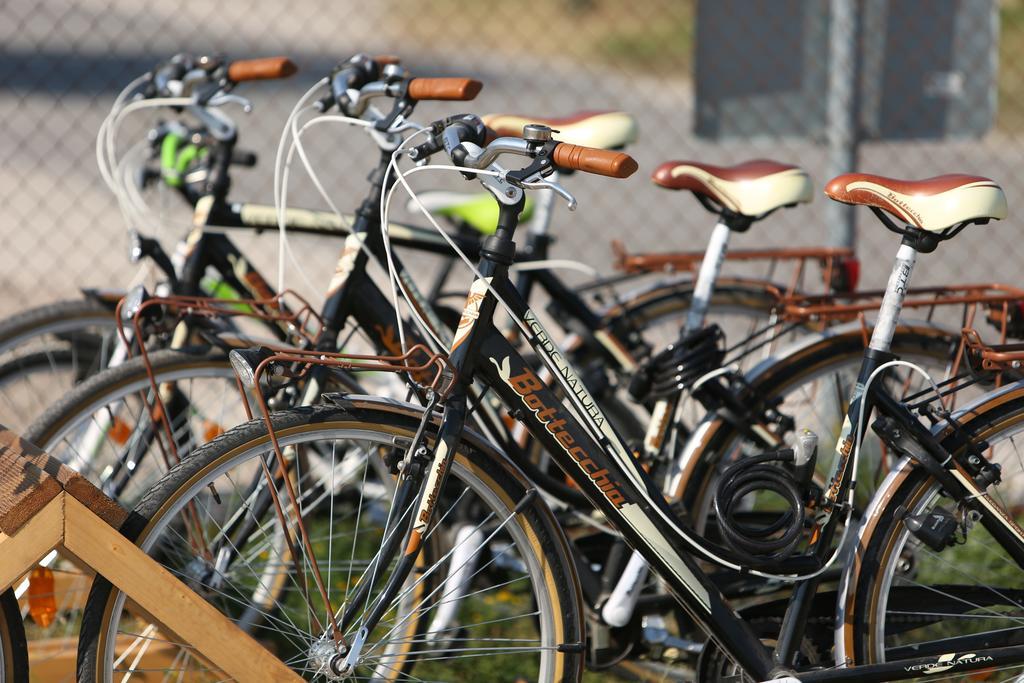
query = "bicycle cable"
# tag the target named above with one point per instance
(296, 147)
(118, 175)
(282, 173)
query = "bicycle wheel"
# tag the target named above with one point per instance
(910, 599)
(47, 350)
(104, 428)
(809, 383)
(517, 613)
(13, 652)
(740, 307)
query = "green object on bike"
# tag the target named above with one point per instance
(169, 158)
(174, 161)
(481, 213)
(222, 290)
(187, 155)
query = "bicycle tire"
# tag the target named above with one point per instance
(63, 340)
(742, 307)
(474, 464)
(55, 318)
(13, 646)
(886, 548)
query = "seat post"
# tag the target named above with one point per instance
(895, 293)
(710, 267)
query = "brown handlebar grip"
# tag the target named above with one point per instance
(263, 69)
(461, 89)
(384, 60)
(600, 161)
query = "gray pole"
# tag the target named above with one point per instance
(841, 114)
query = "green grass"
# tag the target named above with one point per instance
(1010, 116)
(652, 36)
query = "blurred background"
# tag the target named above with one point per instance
(899, 87)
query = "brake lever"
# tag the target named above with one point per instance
(505, 191)
(386, 141)
(192, 78)
(403, 124)
(538, 141)
(220, 126)
(222, 98)
(554, 187)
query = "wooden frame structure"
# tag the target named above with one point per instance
(47, 506)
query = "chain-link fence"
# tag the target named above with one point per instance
(898, 87)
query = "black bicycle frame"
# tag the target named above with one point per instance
(210, 247)
(612, 481)
(587, 448)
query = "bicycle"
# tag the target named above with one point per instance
(55, 346)
(63, 343)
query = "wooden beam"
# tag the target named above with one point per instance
(22, 550)
(178, 610)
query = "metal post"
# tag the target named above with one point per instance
(841, 115)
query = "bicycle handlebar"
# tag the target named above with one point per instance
(490, 151)
(355, 72)
(593, 160)
(184, 73)
(561, 154)
(444, 89)
(266, 68)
